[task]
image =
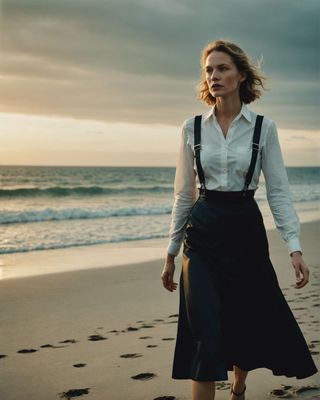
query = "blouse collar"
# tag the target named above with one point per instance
(244, 111)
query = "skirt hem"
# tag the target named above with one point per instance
(296, 375)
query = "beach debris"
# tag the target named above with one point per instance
(144, 376)
(74, 393)
(131, 355)
(96, 337)
(80, 365)
(22, 351)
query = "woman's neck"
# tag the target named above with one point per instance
(227, 109)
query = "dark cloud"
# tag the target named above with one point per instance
(139, 60)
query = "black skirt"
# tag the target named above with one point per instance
(231, 309)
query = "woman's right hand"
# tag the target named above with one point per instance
(167, 274)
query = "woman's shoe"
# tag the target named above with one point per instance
(238, 394)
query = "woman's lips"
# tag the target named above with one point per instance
(216, 86)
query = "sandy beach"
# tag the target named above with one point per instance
(90, 332)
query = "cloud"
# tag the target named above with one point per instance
(138, 61)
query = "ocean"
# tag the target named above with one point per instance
(57, 207)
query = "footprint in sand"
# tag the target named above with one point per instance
(74, 393)
(96, 337)
(144, 376)
(158, 320)
(164, 398)
(303, 389)
(79, 365)
(147, 326)
(152, 345)
(43, 346)
(132, 328)
(145, 337)
(173, 316)
(168, 338)
(24, 351)
(3, 355)
(287, 391)
(280, 393)
(69, 341)
(223, 385)
(131, 355)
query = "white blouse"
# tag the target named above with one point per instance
(225, 162)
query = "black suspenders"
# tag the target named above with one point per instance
(255, 150)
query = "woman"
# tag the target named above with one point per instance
(232, 313)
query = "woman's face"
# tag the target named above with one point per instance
(222, 75)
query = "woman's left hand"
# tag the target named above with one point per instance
(301, 270)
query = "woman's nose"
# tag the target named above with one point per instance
(214, 75)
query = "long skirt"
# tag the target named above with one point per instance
(231, 308)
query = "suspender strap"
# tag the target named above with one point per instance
(255, 150)
(197, 147)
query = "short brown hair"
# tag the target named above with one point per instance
(249, 88)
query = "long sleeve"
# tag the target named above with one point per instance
(185, 193)
(278, 191)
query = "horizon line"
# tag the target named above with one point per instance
(125, 166)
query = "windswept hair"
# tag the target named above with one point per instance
(250, 88)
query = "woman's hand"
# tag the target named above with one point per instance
(167, 274)
(301, 270)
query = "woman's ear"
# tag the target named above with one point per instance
(243, 76)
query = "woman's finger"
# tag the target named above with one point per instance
(304, 278)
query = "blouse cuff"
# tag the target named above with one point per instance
(173, 248)
(294, 244)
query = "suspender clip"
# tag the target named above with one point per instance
(255, 146)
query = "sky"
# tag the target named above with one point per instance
(110, 82)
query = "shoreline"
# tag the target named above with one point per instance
(106, 255)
